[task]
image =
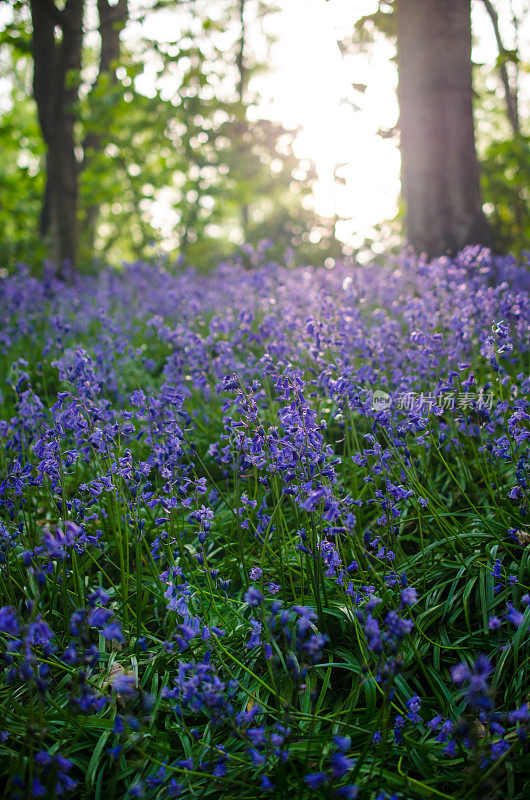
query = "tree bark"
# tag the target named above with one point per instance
(111, 21)
(241, 91)
(57, 62)
(440, 172)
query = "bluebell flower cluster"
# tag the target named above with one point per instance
(266, 531)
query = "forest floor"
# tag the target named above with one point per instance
(265, 531)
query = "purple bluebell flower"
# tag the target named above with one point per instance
(315, 780)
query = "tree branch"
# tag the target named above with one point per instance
(111, 21)
(55, 13)
(509, 95)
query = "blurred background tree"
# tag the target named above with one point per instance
(504, 136)
(172, 149)
(163, 129)
(502, 129)
(439, 167)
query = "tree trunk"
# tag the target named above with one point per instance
(57, 63)
(111, 21)
(440, 173)
(241, 92)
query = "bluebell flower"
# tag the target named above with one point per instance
(124, 684)
(115, 751)
(514, 616)
(266, 785)
(255, 639)
(342, 742)
(37, 789)
(315, 780)
(253, 596)
(8, 621)
(409, 596)
(340, 764)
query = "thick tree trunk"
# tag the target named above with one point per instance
(440, 173)
(56, 81)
